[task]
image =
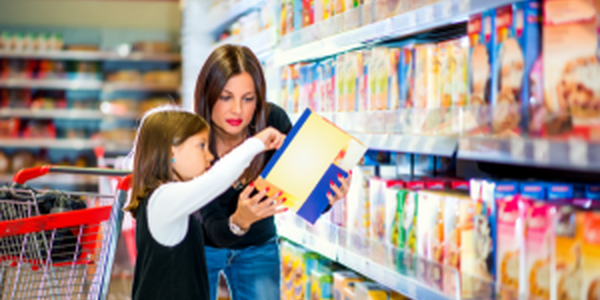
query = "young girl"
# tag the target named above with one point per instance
(172, 180)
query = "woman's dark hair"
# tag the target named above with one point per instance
(222, 64)
(152, 166)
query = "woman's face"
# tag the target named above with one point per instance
(235, 107)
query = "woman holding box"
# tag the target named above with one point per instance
(241, 238)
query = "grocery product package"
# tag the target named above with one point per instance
(322, 285)
(371, 291)
(363, 82)
(352, 74)
(358, 209)
(383, 194)
(430, 237)
(452, 244)
(343, 284)
(481, 36)
(406, 77)
(483, 195)
(340, 83)
(539, 247)
(468, 253)
(393, 221)
(567, 266)
(408, 234)
(331, 153)
(591, 255)
(571, 68)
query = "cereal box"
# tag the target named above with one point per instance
(481, 32)
(408, 231)
(567, 274)
(571, 68)
(447, 70)
(322, 285)
(287, 269)
(460, 75)
(295, 87)
(539, 246)
(406, 77)
(311, 86)
(308, 12)
(468, 261)
(392, 215)
(286, 81)
(430, 236)
(371, 291)
(591, 256)
(483, 195)
(352, 75)
(343, 284)
(560, 191)
(510, 255)
(359, 209)
(379, 72)
(329, 67)
(392, 80)
(533, 190)
(592, 191)
(340, 79)
(452, 243)
(426, 76)
(363, 82)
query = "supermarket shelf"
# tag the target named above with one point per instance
(572, 155)
(222, 16)
(419, 20)
(90, 56)
(61, 114)
(429, 145)
(76, 144)
(262, 44)
(142, 87)
(56, 179)
(363, 264)
(54, 84)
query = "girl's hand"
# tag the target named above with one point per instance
(340, 191)
(272, 138)
(252, 209)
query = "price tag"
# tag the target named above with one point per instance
(541, 151)
(578, 152)
(517, 149)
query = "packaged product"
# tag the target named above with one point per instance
(408, 234)
(359, 209)
(352, 73)
(539, 247)
(468, 253)
(481, 36)
(571, 68)
(559, 191)
(286, 76)
(308, 12)
(326, 85)
(484, 222)
(591, 255)
(567, 272)
(322, 285)
(406, 77)
(424, 165)
(340, 80)
(452, 244)
(286, 17)
(311, 88)
(295, 88)
(592, 191)
(430, 237)
(393, 220)
(379, 74)
(426, 76)
(298, 10)
(343, 284)
(311, 262)
(363, 82)
(533, 190)
(460, 56)
(447, 70)
(391, 227)
(371, 291)
(287, 269)
(510, 253)
(392, 79)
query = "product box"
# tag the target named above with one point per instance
(340, 80)
(481, 33)
(332, 153)
(592, 191)
(287, 269)
(591, 255)
(567, 272)
(559, 191)
(430, 237)
(295, 87)
(468, 253)
(406, 77)
(483, 195)
(539, 248)
(452, 244)
(408, 234)
(343, 284)
(358, 205)
(308, 12)
(426, 76)
(287, 90)
(298, 10)
(510, 255)
(322, 285)
(328, 83)
(533, 190)
(353, 73)
(447, 71)
(392, 218)
(286, 17)
(363, 82)
(572, 91)
(371, 291)
(311, 86)
(379, 74)
(392, 79)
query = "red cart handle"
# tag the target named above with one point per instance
(125, 183)
(31, 173)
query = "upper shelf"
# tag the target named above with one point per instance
(74, 144)
(84, 84)
(221, 16)
(262, 43)
(91, 56)
(307, 44)
(89, 114)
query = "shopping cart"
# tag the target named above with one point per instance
(62, 254)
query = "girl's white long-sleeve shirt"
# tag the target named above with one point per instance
(171, 204)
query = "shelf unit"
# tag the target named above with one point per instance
(222, 16)
(73, 114)
(91, 56)
(52, 84)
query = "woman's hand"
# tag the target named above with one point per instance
(340, 191)
(272, 138)
(252, 209)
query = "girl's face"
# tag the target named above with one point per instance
(192, 157)
(235, 107)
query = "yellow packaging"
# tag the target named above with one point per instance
(452, 244)
(538, 245)
(397, 296)
(379, 75)
(393, 101)
(567, 275)
(591, 256)
(371, 291)
(426, 76)
(343, 284)
(468, 258)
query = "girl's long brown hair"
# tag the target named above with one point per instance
(152, 166)
(222, 64)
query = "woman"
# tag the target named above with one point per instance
(241, 239)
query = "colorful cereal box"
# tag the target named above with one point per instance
(591, 256)
(452, 244)
(567, 272)
(363, 82)
(539, 248)
(406, 77)
(510, 255)
(533, 190)
(340, 79)
(343, 284)
(426, 76)
(481, 31)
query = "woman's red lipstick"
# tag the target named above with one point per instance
(234, 122)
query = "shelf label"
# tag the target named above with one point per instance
(517, 149)
(578, 152)
(541, 151)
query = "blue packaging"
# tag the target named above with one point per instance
(406, 65)
(533, 190)
(481, 31)
(592, 191)
(560, 191)
(506, 189)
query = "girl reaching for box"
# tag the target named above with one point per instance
(171, 181)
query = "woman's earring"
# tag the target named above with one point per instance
(172, 160)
